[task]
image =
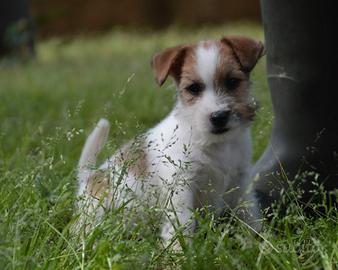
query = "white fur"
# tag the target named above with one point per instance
(188, 163)
(207, 61)
(95, 141)
(215, 169)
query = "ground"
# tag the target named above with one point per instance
(48, 106)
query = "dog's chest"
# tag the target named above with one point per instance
(210, 169)
(219, 174)
(219, 164)
(225, 163)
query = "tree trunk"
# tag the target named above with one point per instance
(16, 33)
(301, 68)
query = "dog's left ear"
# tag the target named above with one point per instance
(246, 50)
(167, 62)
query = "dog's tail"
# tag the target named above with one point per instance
(94, 144)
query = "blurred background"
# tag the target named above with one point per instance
(22, 21)
(76, 16)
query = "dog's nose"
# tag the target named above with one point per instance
(220, 118)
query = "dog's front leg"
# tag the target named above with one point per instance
(250, 213)
(178, 221)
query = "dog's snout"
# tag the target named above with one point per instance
(219, 118)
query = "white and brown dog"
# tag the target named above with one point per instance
(198, 153)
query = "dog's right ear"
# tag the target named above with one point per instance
(167, 62)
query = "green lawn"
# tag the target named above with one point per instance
(46, 109)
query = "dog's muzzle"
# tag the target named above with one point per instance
(219, 121)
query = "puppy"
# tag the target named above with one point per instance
(198, 156)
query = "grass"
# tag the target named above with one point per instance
(46, 109)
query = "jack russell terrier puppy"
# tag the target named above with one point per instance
(198, 156)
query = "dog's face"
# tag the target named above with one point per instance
(212, 79)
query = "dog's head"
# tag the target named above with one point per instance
(212, 79)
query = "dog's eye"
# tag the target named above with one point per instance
(195, 88)
(232, 83)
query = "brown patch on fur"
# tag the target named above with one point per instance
(228, 67)
(246, 111)
(133, 158)
(187, 98)
(180, 63)
(189, 76)
(98, 184)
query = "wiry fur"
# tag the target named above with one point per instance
(185, 165)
